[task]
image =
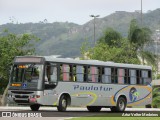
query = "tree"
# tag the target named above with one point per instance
(140, 37)
(156, 97)
(110, 37)
(102, 51)
(12, 45)
(112, 47)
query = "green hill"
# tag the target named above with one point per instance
(66, 38)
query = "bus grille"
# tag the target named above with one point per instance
(21, 96)
(21, 101)
(21, 92)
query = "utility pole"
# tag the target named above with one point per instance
(94, 17)
(157, 40)
(141, 15)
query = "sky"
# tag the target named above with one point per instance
(76, 11)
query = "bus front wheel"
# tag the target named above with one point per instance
(62, 104)
(121, 105)
(94, 108)
(34, 107)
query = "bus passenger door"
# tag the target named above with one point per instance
(50, 82)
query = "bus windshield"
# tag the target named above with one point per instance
(26, 73)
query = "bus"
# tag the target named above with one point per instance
(47, 81)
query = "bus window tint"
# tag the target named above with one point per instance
(106, 75)
(133, 76)
(99, 74)
(149, 78)
(65, 72)
(127, 76)
(120, 76)
(71, 77)
(114, 75)
(149, 74)
(53, 74)
(79, 73)
(138, 76)
(145, 77)
(93, 74)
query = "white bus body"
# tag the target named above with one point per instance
(67, 82)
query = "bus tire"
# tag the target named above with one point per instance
(34, 107)
(113, 109)
(94, 108)
(62, 104)
(148, 106)
(121, 104)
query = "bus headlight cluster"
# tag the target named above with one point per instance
(35, 96)
(9, 95)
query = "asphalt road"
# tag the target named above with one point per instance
(52, 113)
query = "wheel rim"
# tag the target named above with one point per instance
(121, 105)
(64, 103)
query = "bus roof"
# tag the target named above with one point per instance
(95, 62)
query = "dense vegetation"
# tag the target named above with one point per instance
(12, 45)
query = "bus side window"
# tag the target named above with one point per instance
(79, 73)
(126, 76)
(53, 74)
(138, 76)
(149, 74)
(106, 75)
(71, 77)
(129, 77)
(85, 73)
(115, 75)
(145, 77)
(74, 73)
(47, 75)
(112, 75)
(94, 73)
(89, 73)
(50, 77)
(133, 76)
(148, 79)
(65, 70)
(99, 74)
(120, 76)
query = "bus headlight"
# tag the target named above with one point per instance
(9, 95)
(35, 96)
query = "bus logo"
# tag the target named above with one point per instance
(133, 94)
(24, 85)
